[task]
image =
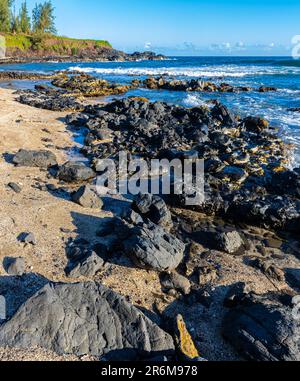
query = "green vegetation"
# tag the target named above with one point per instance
(78, 43)
(37, 33)
(18, 41)
(50, 44)
(5, 15)
(24, 19)
(43, 19)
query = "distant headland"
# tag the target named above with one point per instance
(34, 38)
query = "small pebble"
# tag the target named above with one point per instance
(28, 238)
(15, 187)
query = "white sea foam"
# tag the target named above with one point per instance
(289, 91)
(193, 100)
(287, 122)
(289, 127)
(292, 119)
(206, 71)
(245, 104)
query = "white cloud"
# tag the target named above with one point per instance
(189, 46)
(225, 46)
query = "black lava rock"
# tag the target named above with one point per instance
(262, 328)
(41, 159)
(152, 247)
(75, 172)
(83, 319)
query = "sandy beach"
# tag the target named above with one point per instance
(54, 221)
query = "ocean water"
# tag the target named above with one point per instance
(281, 72)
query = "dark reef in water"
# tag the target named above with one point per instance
(161, 83)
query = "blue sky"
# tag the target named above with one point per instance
(184, 27)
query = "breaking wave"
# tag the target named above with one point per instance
(209, 71)
(286, 121)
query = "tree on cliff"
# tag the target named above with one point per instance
(24, 19)
(43, 19)
(5, 15)
(15, 22)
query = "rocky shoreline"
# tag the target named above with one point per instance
(101, 55)
(230, 266)
(19, 75)
(84, 85)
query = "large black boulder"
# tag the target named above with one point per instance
(41, 159)
(223, 115)
(154, 208)
(86, 267)
(87, 197)
(75, 172)
(151, 247)
(83, 319)
(255, 124)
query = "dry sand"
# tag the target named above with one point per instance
(38, 211)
